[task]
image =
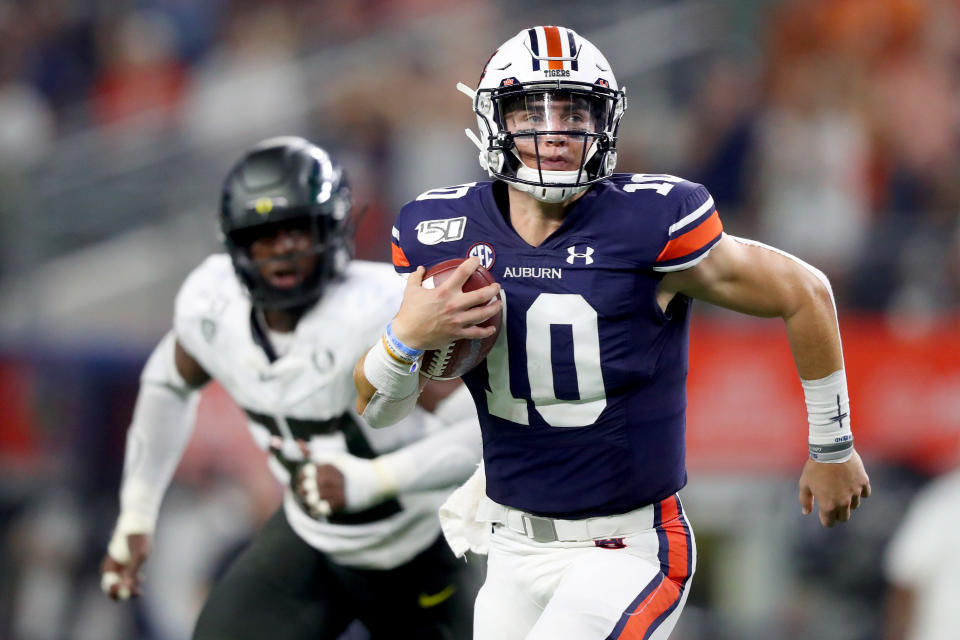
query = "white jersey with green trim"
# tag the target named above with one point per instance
(308, 394)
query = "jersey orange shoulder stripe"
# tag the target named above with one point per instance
(692, 240)
(399, 257)
(554, 47)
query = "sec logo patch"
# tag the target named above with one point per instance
(485, 252)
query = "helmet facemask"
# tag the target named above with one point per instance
(553, 141)
(327, 245)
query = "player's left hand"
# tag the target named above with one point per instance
(320, 488)
(837, 488)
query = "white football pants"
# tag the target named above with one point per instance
(631, 587)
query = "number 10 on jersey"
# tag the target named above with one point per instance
(549, 309)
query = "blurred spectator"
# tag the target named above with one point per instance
(28, 125)
(923, 565)
(906, 265)
(814, 147)
(140, 71)
(723, 137)
(28, 120)
(251, 86)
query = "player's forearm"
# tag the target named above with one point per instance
(441, 460)
(813, 332)
(898, 612)
(387, 384)
(365, 388)
(811, 322)
(161, 427)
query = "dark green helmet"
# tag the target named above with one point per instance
(283, 180)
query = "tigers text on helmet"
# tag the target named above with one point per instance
(286, 182)
(548, 108)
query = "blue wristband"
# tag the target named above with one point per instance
(399, 349)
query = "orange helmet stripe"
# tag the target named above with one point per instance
(554, 47)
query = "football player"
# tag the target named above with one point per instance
(582, 399)
(279, 321)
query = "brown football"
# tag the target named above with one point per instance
(459, 356)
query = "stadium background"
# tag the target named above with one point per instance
(828, 128)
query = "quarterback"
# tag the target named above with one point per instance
(582, 399)
(279, 321)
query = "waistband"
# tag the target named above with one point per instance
(542, 529)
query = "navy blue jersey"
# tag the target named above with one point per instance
(582, 399)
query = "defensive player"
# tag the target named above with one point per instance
(582, 399)
(280, 322)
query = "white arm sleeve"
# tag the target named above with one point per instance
(162, 424)
(445, 458)
(397, 387)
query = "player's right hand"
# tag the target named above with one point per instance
(836, 488)
(431, 318)
(120, 570)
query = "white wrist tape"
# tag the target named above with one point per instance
(382, 411)
(129, 523)
(828, 413)
(397, 385)
(392, 377)
(366, 482)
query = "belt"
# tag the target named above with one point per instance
(542, 529)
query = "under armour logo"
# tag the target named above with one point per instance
(586, 255)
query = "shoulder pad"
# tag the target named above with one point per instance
(435, 216)
(206, 292)
(371, 286)
(686, 218)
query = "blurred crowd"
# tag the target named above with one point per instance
(827, 128)
(840, 144)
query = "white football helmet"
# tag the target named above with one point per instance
(548, 108)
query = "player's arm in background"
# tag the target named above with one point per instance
(444, 458)
(914, 561)
(387, 386)
(899, 607)
(162, 423)
(752, 278)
